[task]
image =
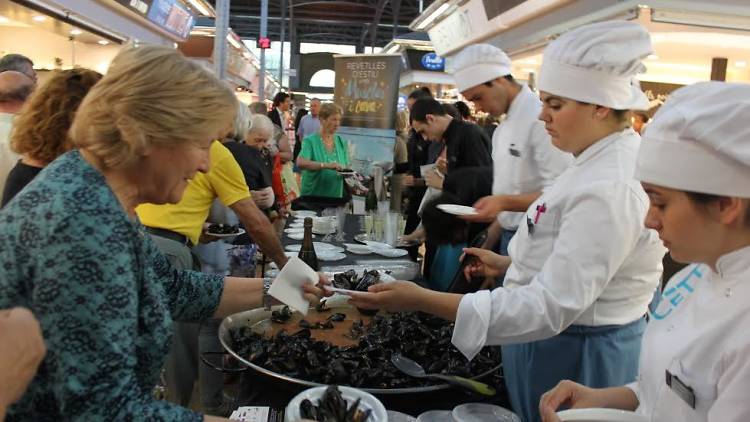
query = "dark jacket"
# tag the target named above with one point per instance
(275, 118)
(467, 146)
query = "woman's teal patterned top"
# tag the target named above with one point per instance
(103, 293)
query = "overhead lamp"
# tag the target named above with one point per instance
(740, 63)
(706, 19)
(199, 6)
(3, 19)
(76, 32)
(102, 42)
(652, 57)
(39, 18)
(434, 15)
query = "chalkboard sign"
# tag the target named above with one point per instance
(367, 89)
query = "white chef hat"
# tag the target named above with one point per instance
(477, 64)
(597, 64)
(699, 141)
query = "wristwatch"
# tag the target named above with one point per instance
(267, 299)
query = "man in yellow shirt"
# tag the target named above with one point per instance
(177, 227)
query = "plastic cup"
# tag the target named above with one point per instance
(436, 416)
(480, 412)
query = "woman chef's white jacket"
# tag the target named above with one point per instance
(698, 337)
(582, 257)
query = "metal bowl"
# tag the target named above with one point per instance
(255, 316)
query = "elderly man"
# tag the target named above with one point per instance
(15, 88)
(309, 125)
(524, 159)
(19, 63)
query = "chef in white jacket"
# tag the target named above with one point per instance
(582, 267)
(694, 163)
(523, 158)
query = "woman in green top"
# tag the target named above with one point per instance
(322, 155)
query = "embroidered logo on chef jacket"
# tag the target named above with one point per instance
(513, 151)
(674, 295)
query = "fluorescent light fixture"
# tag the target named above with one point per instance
(434, 15)
(3, 19)
(76, 32)
(710, 20)
(199, 6)
(652, 57)
(103, 42)
(39, 18)
(740, 63)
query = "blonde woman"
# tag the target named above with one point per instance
(400, 159)
(322, 155)
(74, 252)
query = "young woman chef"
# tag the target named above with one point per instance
(695, 166)
(583, 266)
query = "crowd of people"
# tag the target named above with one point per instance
(108, 277)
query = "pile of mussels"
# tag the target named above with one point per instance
(421, 337)
(332, 407)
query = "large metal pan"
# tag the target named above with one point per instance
(257, 317)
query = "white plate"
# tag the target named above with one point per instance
(599, 415)
(390, 253)
(297, 226)
(337, 290)
(378, 245)
(224, 235)
(294, 230)
(330, 256)
(304, 213)
(321, 246)
(368, 401)
(297, 235)
(457, 209)
(359, 249)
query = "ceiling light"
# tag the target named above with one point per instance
(103, 42)
(434, 15)
(3, 19)
(652, 57)
(76, 32)
(39, 18)
(740, 63)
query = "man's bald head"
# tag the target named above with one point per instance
(15, 88)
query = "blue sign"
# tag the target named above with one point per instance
(432, 61)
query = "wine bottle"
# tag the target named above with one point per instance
(371, 200)
(307, 252)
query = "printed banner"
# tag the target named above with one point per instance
(367, 89)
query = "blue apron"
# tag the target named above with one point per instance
(597, 357)
(502, 249)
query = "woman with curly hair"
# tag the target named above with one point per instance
(40, 131)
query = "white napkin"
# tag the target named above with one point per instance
(287, 287)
